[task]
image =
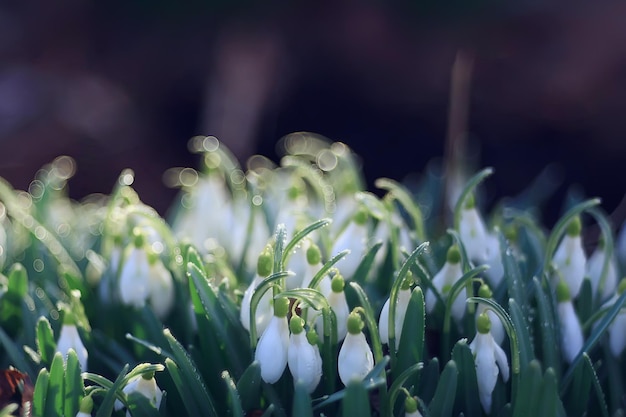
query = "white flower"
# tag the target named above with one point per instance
(410, 407)
(86, 406)
(473, 232)
(404, 296)
(571, 330)
(495, 273)
(354, 238)
(134, 279)
(303, 357)
(355, 356)
(594, 272)
(444, 280)
(271, 352)
(146, 385)
(298, 263)
(338, 303)
(161, 288)
(382, 233)
(264, 308)
(70, 339)
(570, 259)
(490, 360)
(497, 328)
(617, 328)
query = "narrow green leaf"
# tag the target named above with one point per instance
(191, 377)
(526, 353)
(442, 403)
(108, 402)
(369, 320)
(469, 187)
(584, 301)
(264, 286)
(512, 274)
(607, 236)
(249, 386)
(549, 345)
(46, 345)
(549, 397)
(301, 405)
(429, 380)
(365, 267)
(468, 386)
(234, 399)
(326, 267)
(528, 390)
(289, 248)
(14, 354)
(56, 384)
(74, 388)
(18, 280)
(578, 395)
(40, 392)
(404, 197)
(356, 402)
(400, 380)
(193, 409)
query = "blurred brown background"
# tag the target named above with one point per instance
(125, 84)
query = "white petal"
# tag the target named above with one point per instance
(594, 271)
(271, 351)
(134, 278)
(354, 238)
(486, 369)
(383, 323)
(339, 305)
(161, 289)
(473, 235)
(502, 361)
(495, 273)
(571, 332)
(264, 310)
(304, 360)
(355, 358)
(70, 339)
(570, 261)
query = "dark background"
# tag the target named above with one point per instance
(125, 84)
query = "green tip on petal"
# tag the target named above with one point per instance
(470, 202)
(355, 323)
(138, 237)
(312, 337)
(86, 405)
(361, 216)
(281, 307)
(313, 254)
(410, 404)
(484, 291)
(454, 255)
(296, 324)
(483, 323)
(265, 263)
(562, 291)
(510, 232)
(622, 286)
(148, 375)
(68, 317)
(574, 227)
(337, 284)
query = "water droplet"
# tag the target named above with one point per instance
(40, 232)
(327, 160)
(127, 177)
(157, 247)
(210, 144)
(38, 265)
(64, 167)
(36, 189)
(257, 200)
(188, 177)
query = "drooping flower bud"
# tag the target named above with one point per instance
(353, 237)
(86, 406)
(271, 352)
(134, 280)
(304, 359)
(489, 359)
(410, 407)
(497, 328)
(264, 308)
(569, 259)
(146, 385)
(571, 330)
(594, 272)
(444, 280)
(69, 338)
(617, 328)
(339, 305)
(161, 287)
(402, 304)
(355, 356)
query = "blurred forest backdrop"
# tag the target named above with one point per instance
(126, 83)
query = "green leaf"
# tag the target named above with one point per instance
(74, 388)
(578, 395)
(301, 406)
(290, 247)
(369, 320)
(365, 267)
(249, 386)
(403, 196)
(526, 353)
(411, 349)
(14, 354)
(548, 398)
(40, 392)
(549, 344)
(528, 390)
(429, 380)
(108, 402)
(46, 345)
(185, 392)
(468, 387)
(400, 380)
(234, 399)
(264, 286)
(442, 403)
(140, 406)
(356, 402)
(18, 280)
(467, 190)
(55, 396)
(191, 378)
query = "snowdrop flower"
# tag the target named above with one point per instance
(353, 237)
(298, 263)
(146, 385)
(264, 308)
(497, 328)
(338, 303)
(86, 406)
(617, 329)
(303, 355)
(271, 352)
(313, 265)
(481, 246)
(70, 339)
(160, 287)
(410, 407)
(489, 359)
(571, 330)
(402, 303)
(594, 272)
(134, 279)
(355, 356)
(570, 259)
(444, 280)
